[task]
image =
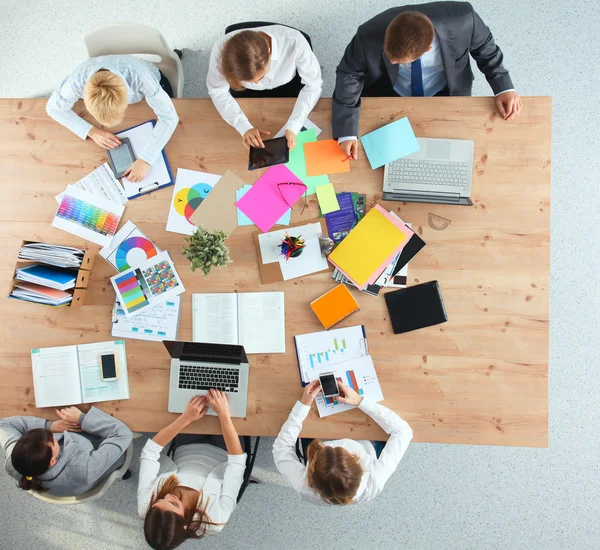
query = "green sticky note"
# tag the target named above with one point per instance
(122, 342)
(36, 350)
(327, 199)
(297, 163)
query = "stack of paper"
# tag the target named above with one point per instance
(40, 294)
(371, 246)
(159, 323)
(102, 183)
(52, 254)
(47, 276)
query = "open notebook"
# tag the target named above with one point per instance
(70, 375)
(255, 320)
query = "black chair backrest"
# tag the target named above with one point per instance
(254, 24)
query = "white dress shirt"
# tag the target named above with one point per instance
(200, 466)
(142, 80)
(290, 52)
(376, 471)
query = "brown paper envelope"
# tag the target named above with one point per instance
(218, 210)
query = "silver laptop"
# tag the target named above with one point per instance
(440, 172)
(198, 367)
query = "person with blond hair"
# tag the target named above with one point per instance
(194, 493)
(344, 471)
(267, 61)
(107, 85)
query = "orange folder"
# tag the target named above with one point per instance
(324, 157)
(334, 306)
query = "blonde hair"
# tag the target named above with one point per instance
(245, 55)
(333, 472)
(105, 97)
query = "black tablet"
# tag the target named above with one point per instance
(275, 152)
(121, 158)
(416, 307)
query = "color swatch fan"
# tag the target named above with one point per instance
(129, 248)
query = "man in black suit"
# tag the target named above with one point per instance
(420, 50)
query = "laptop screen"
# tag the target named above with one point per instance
(201, 351)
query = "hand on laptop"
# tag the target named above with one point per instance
(195, 409)
(217, 401)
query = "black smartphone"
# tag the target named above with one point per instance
(109, 367)
(329, 385)
(275, 152)
(121, 158)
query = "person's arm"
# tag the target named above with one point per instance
(60, 107)
(284, 448)
(309, 70)
(350, 77)
(13, 427)
(194, 410)
(149, 468)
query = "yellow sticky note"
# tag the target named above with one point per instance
(327, 199)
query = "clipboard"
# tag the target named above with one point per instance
(160, 171)
(271, 273)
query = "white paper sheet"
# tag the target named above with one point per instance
(93, 388)
(261, 319)
(161, 322)
(158, 173)
(310, 261)
(269, 242)
(56, 376)
(102, 183)
(215, 318)
(191, 188)
(308, 124)
(133, 252)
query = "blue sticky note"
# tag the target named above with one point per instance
(390, 142)
(245, 220)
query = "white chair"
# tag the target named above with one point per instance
(132, 38)
(93, 494)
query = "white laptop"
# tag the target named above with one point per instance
(198, 367)
(440, 172)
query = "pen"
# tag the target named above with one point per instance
(347, 158)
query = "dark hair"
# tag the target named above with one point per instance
(244, 56)
(410, 34)
(31, 457)
(167, 530)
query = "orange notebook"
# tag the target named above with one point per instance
(334, 306)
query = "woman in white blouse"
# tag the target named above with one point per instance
(264, 58)
(196, 492)
(343, 471)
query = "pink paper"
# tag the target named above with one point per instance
(264, 203)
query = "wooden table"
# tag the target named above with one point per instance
(479, 378)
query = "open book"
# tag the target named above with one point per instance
(70, 375)
(255, 320)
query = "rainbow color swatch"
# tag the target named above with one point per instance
(187, 200)
(138, 247)
(134, 290)
(87, 215)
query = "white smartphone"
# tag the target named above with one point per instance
(108, 366)
(329, 385)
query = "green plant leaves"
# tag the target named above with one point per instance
(206, 250)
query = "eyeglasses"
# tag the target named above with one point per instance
(293, 183)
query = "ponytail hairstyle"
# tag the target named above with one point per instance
(333, 472)
(31, 457)
(167, 530)
(105, 97)
(245, 55)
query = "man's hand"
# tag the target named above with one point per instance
(350, 148)
(217, 401)
(137, 171)
(291, 139)
(195, 409)
(60, 426)
(509, 105)
(70, 415)
(348, 395)
(253, 137)
(103, 138)
(310, 392)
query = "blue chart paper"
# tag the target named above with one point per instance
(340, 222)
(245, 220)
(390, 142)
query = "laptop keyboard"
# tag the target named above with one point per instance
(197, 377)
(428, 172)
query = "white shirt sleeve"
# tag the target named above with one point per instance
(232, 481)
(284, 452)
(400, 436)
(60, 108)
(218, 90)
(309, 70)
(167, 117)
(149, 468)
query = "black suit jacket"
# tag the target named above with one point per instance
(460, 32)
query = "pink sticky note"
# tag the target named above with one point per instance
(264, 203)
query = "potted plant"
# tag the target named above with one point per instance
(206, 250)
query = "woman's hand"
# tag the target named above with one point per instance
(217, 401)
(60, 426)
(137, 171)
(253, 138)
(310, 392)
(70, 415)
(348, 395)
(195, 409)
(103, 138)
(291, 139)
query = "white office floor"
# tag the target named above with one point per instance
(442, 497)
